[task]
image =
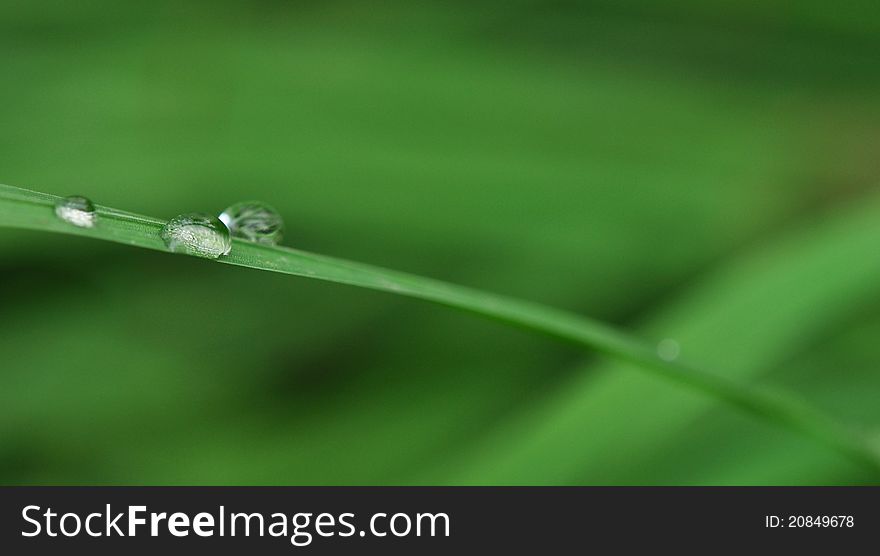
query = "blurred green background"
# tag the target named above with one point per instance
(702, 171)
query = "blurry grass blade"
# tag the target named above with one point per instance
(772, 306)
(33, 210)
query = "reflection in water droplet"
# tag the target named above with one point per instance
(76, 210)
(198, 234)
(254, 221)
(668, 349)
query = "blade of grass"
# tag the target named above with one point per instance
(33, 210)
(772, 305)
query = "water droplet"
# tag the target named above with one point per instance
(254, 221)
(197, 234)
(668, 349)
(76, 210)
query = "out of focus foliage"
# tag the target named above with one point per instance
(703, 171)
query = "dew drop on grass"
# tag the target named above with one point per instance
(254, 221)
(668, 349)
(76, 210)
(198, 234)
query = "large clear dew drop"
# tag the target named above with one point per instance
(254, 221)
(197, 234)
(76, 210)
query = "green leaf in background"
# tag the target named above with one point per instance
(619, 159)
(765, 306)
(29, 209)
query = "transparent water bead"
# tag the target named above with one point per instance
(668, 349)
(198, 234)
(254, 221)
(76, 210)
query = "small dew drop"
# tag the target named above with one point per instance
(254, 221)
(76, 210)
(668, 349)
(198, 234)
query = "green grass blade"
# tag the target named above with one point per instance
(773, 306)
(33, 210)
